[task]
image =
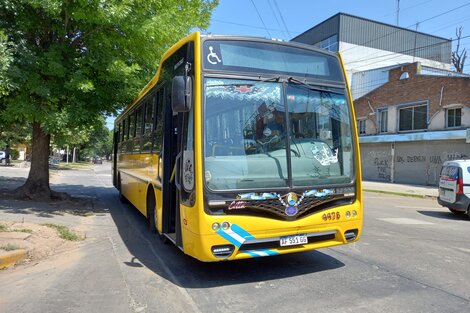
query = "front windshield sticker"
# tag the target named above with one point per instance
(241, 91)
(324, 155)
(188, 170)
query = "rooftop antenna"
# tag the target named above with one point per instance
(398, 12)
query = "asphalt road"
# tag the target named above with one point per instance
(413, 257)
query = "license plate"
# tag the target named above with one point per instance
(293, 240)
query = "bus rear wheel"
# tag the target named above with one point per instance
(151, 212)
(122, 198)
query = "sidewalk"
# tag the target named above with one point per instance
(401, 189)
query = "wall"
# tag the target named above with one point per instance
(440, 93)
(376, 161)
(416, 162)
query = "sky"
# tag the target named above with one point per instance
(285, 19)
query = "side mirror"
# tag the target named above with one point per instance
(181, 93)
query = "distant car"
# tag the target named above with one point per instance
(97, 160)
(54, 161)
(454, 186)
(2, 157)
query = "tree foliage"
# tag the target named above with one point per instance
(75, 60)
(6, 57)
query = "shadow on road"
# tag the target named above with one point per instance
(445, 215)
(82, 202)
(172, 264)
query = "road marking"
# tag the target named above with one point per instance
(404, 221)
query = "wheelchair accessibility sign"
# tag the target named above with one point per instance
(212, 57)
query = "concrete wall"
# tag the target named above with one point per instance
(417, 162)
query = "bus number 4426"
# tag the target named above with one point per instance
(331, 216)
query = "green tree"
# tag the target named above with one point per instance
(76, 60)
(6, 57)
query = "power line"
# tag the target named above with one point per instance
(398, 30)
(259, 15)
(282, 18)
(410, 7)
(246, 25)
(275, 16)
(404, 51)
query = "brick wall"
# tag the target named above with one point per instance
(417, 88)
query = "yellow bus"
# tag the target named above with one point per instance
(243, 147)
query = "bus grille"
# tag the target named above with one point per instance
(274, 208)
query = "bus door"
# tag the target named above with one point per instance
(178, 99)
(171, 161)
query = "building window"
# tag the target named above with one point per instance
(361, 125)
(330, 43)
(413, 117)
(454, 117)
(383, 120)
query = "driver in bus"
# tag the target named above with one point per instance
(277, 126)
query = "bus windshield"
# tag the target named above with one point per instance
(251, 128)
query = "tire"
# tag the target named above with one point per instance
(151, 216)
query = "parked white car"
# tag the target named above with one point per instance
(454, 186)
(2, 157)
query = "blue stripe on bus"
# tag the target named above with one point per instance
(229, 238)
(241, 232)
(256, 253)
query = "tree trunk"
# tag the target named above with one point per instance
(37, 186)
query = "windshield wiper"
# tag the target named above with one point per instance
(269, 79)
(311, 86)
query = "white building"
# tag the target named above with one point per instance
(365, 45)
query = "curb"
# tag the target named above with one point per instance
(404, 194)
(11, 257)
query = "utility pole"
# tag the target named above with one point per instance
(398, 12)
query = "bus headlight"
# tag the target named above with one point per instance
(354, 213)
(215, 226)
(225, 225)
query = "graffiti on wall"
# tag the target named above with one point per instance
(378, 164)
(383, 168)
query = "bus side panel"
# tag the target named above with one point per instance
(134, 180)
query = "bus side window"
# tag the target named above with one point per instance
(119, 137)
(158, 125)
(138, 128)
(147, 126)
(124, 134)
(131, 132)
